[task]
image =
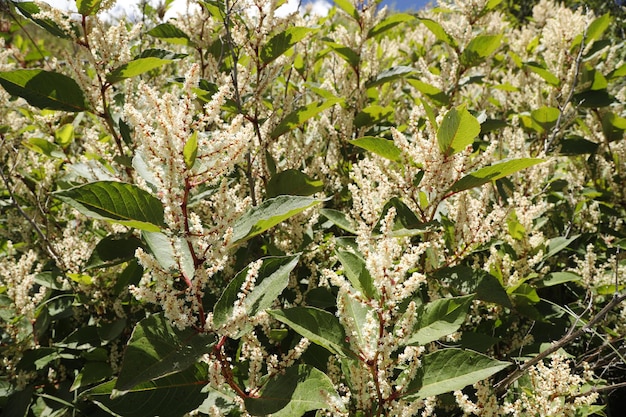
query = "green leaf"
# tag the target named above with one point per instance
(356, 272)
(118, 202)
(91, 373)
(439, 32)
(557, 278)
(171, 34)
(462, 280)
(492, 173)
(88, 7)
(190, 150)
(479, 49)
(339, 219)
(291, 394)
(292, 182)
(301, 115)
(597, 28)
(172, 395)
(451, 370)
(157, 349)
(557, 244)
(319, 326)
(280, 43)
(268, 214)
(272, 280)
(546, 116)
(389, 23)
(543, 73)
(348, 54)
(389, 75)
(358, 312)
(373, 114)
(170, 259)
(135, 67)
(44, 89)
(439, 318)
(577, 146)
(435, 94)
(458, 130)
(348, 7)
(113, 250)
(28, 9)
(44, 147)
(379, 146)
(64, 135)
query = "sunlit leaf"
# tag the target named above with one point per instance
(389, 22)
(439, 32)
(379, 146)
(479, 48)
(292, 182)
(439, 318)
(492, 173)
(171, 34)
(457, 130)
(88, 7)
(280, 43)
(190, 150)
(302, 114)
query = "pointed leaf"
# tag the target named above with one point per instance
(357, 313)
(269, 213)
(172, 395)
(291, 394)
(597, 28)
(389, 75)
(348, 54)
(546, 116)
(451, 370)
(171, 34)
(479, 49)
(356, 272)
(557, 244)
(439, 318)
(157, 349)
(348, 7)
(339, 219)
(280, 43)
(44, 89)
(379, 146)
(319, 326)
(301, 115)
(458, 130)
(190, 151)
(118, 202)
(88, 7)
(292, 182)
(272, 280)
(543, 73)
(171, 260)
(113, 250)
(492, 173)
(29, 9)
(135, 67)
(389, 23)
(439, 32)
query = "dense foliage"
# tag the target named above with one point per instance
(241, 212)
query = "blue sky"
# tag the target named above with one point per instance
(402, 5)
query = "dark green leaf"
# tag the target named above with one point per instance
(170, 33)
(92, 373)
(28, 9)
(280, 43)
(118, 202)
(113, 250)
(389, 75)
(458, 130)
(45, 89)
(439, 318)
(356, 272)
(302, 114)
(389, 23)
(492, 173)
(557, 244)
(157, 349)
(577, 146)
(339, 219)
(348, 54)
(462, 280)
(593, 99)
(135, 67)
(292, 182)
(379, 146)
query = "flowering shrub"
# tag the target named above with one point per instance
(237, 212)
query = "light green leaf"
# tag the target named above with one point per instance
(272, 280)
(118, 202)
(301, 115)
(44, 89)
(492, 173)
(171, 34)
(319, 326)
(557, 244)
(64, 135)
(437, 95)
(373, 114)
(348, 54)
(439, 32)
(292, 182)
(543, 73)
(389, 75)
(439, 318)
(190, 150)
(339, 219)
(170, 260)
(135, 67)
(348, 7)
(356, 272)
(157, 349)
(172, 395)
(88, 7)
(557, 278)
(269, 213)
(44, 147)
(379, 146)
(479, 49)
(291, 394)
(597, 28)
(280, 43)
(546, 116)
(450, 370)
(358, 313)
(458, 130)
(389, 23)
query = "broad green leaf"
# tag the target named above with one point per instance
(292, 393)
(88, 7)
(348, 7)
(174, 261)
(358, 313)
(301, 115)
(613, 126)
(348, 54)
(597, 28)
(29, 9)
(172, 395)
(546, 116)
(557, 278)
(356, 272)
(64, 135)
(557, 244)
(479, 49)
(594, 98)
(339, 219)
(430, 91)
(389, 23)
(406, 222)
(269, 213)
(450, 370)
(44, 147)
(439, 32)
(373, 114)
(379, 146)
(135, 67)
(492, 173)
(524, 294)
(272, 280)
(280, 43)
(389, 75)
(190, 150)
(618, 72)
(543, 73)
(118, 202)
(113, 250)
(319, 326)
(292, 182)
(577, 146)
(92, 372)
(458, 130)
(44, 89)
(171, 34)
(462, 280)
(439, 318)
(157, 349)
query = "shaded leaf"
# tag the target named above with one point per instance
(557, 244)
(171, 34)
(280, 43)
(171, 260)
(389, 75)
(557, 278)
(479, 49)
(380, 146)
(29, 8)
(389, 23)
(435, 94)
(348, 54)
(292, 182)
(339, 219)
(546, 116)
(492, 173)
(356, 272)
(113, 250)
(373, 114)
